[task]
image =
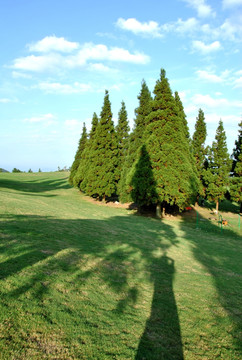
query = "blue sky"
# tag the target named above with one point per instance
(58, 57)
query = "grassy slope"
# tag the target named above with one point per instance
(83, 281)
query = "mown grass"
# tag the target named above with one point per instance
(83, 281)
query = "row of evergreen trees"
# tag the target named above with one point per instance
(157, 163)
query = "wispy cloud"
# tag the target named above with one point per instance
(231, 3)
(206, 49)
(5, 100)
(211, 77)
(59, 88)
(238, 82)
(150, 28)
(20, 75)
(8, 100)
(211, 102)
(53, 43)
(201, 7)
(47, 119)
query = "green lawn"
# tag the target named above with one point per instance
(83, 281)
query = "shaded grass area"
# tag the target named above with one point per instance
(81, 281)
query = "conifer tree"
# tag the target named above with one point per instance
(80, 177)
(236, 180)
(143, 183)
(122, 131)
(199, 149)
(80, 149)
(103, 156)
(94, 125)
(169, 151)
(135, 141)
(218, 166)
(182, 115)
(237, 149)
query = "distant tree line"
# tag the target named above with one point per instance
(157, 163)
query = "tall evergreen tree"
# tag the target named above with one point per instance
(122, 131)
(168, 149)
(135, 141)
(80, 177)
(80, 149)
(236, 180)
(237, 149)
(218, 167)
(94, 125)
(199, 149)
(143, 183)
(103, 156)
(182, 115)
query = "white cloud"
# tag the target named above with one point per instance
(88, 52)
(46, 118)
(203, 9)
(150, 28)
(189, 25)
(206, 49)
(99, 67)
(64, 88)
(210, 102)
(53, 43)
(231, 3)
(5, 100)
(17, 75)
(38, 63)
(101, 52)
(238, 82)
(211, 77)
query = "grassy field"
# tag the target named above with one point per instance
(83, 281)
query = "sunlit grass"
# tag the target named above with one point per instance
(83, 281)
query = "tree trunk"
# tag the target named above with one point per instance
(163, 210)
(158, 210)
(217, 203)
(240, 208)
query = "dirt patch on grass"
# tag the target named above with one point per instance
(114, 204)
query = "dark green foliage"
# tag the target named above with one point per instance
(80, 149)
(182, 115)
(217, 174)
(30, 171)
(80, 177)
(199, 149)
(143, 183)
(236, 180)
(141, 113)
(135, 141)
(100, 180)
(168, 149)
(237, 149)
(94, 125)
(122, 131)
(15, 170)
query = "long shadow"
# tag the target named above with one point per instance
(34, 186)
(220, 253)
(53, 246)
(162, 338)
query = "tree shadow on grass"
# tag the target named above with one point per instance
(219, 252)
(34, 186)
(39, 250)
